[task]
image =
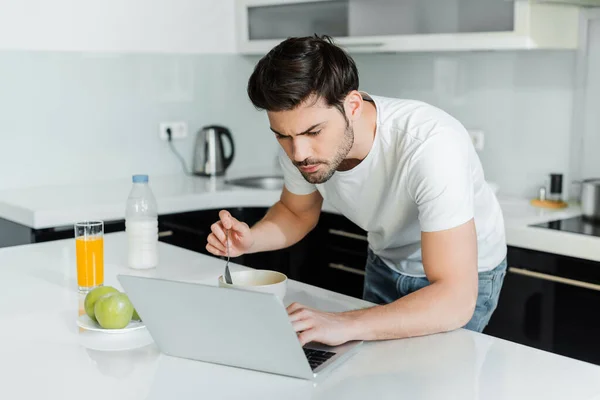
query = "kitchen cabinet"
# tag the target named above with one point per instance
(586, 3)
(550, 302)
(332, 256)
(190, 230)
(341, 255)
(14, 234)
(409, 25)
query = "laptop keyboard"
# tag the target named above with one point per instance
(317, 357)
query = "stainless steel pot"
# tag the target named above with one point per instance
(590, 198)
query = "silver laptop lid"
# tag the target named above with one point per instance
(224, 326)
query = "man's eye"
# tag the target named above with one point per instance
(315, 133)
(279, 137)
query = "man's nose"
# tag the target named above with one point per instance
(301, 149)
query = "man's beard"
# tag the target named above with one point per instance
(329, 167)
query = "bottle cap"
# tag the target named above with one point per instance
(140, 179)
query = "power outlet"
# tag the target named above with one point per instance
(477, 138)
(179, 130)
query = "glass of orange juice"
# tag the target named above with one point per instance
(89, 247)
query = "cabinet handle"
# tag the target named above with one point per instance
(165, 234)
(348, 235)
(553, 278)
(341, 267)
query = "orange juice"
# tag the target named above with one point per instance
(90, 261)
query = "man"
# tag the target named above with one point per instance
(402, 170)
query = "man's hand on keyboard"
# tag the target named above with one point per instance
(323, 327)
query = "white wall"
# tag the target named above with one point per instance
(173, 26)
(591, 139)
(69, 117)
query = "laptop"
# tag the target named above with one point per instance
(228, 326)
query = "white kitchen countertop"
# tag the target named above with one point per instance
(43, 354)
(53, 206)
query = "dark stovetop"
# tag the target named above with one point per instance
(575, 225)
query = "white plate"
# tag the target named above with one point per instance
(86, 322)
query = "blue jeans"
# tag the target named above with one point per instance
(384, 285)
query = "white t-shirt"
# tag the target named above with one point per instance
(421, 174)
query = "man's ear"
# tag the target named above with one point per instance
(353, 105)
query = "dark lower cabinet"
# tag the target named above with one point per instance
(550, 302)
(13, 234)
(332, 256)
(342, 255)
(190, 230)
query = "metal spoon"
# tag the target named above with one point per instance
(227, 274)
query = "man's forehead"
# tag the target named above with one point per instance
(304, 113)
(306, 107)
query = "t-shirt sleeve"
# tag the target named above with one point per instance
(440, 181)
(293, 179)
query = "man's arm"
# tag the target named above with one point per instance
(287, 222)
(450, 263)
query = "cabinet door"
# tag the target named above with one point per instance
(525, 312)
(189, 230)
(13, 234)
(340, 254)
(359, 18)
(576, 308)
(297, 18)
(550, 302)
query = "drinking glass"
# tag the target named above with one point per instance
(89, 246)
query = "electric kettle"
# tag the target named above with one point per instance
(209, 153)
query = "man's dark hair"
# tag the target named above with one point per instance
(298, 68)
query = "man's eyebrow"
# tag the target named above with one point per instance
(274, 131)
(301, 133)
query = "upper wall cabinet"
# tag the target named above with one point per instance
(587, 3)
(409, 25)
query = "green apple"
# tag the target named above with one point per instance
(93, 296)
(113, 311)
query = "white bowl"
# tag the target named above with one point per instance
(258, 280)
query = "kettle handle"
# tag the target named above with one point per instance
(222, 131)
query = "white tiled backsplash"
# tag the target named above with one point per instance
(68, 117)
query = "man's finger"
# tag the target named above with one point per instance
(212, 239)
(227, 220)
(300, 326)
(293, 307)
(308, 336)
(214, 250)
(300, 315)
(297, 306)
(217, 229)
